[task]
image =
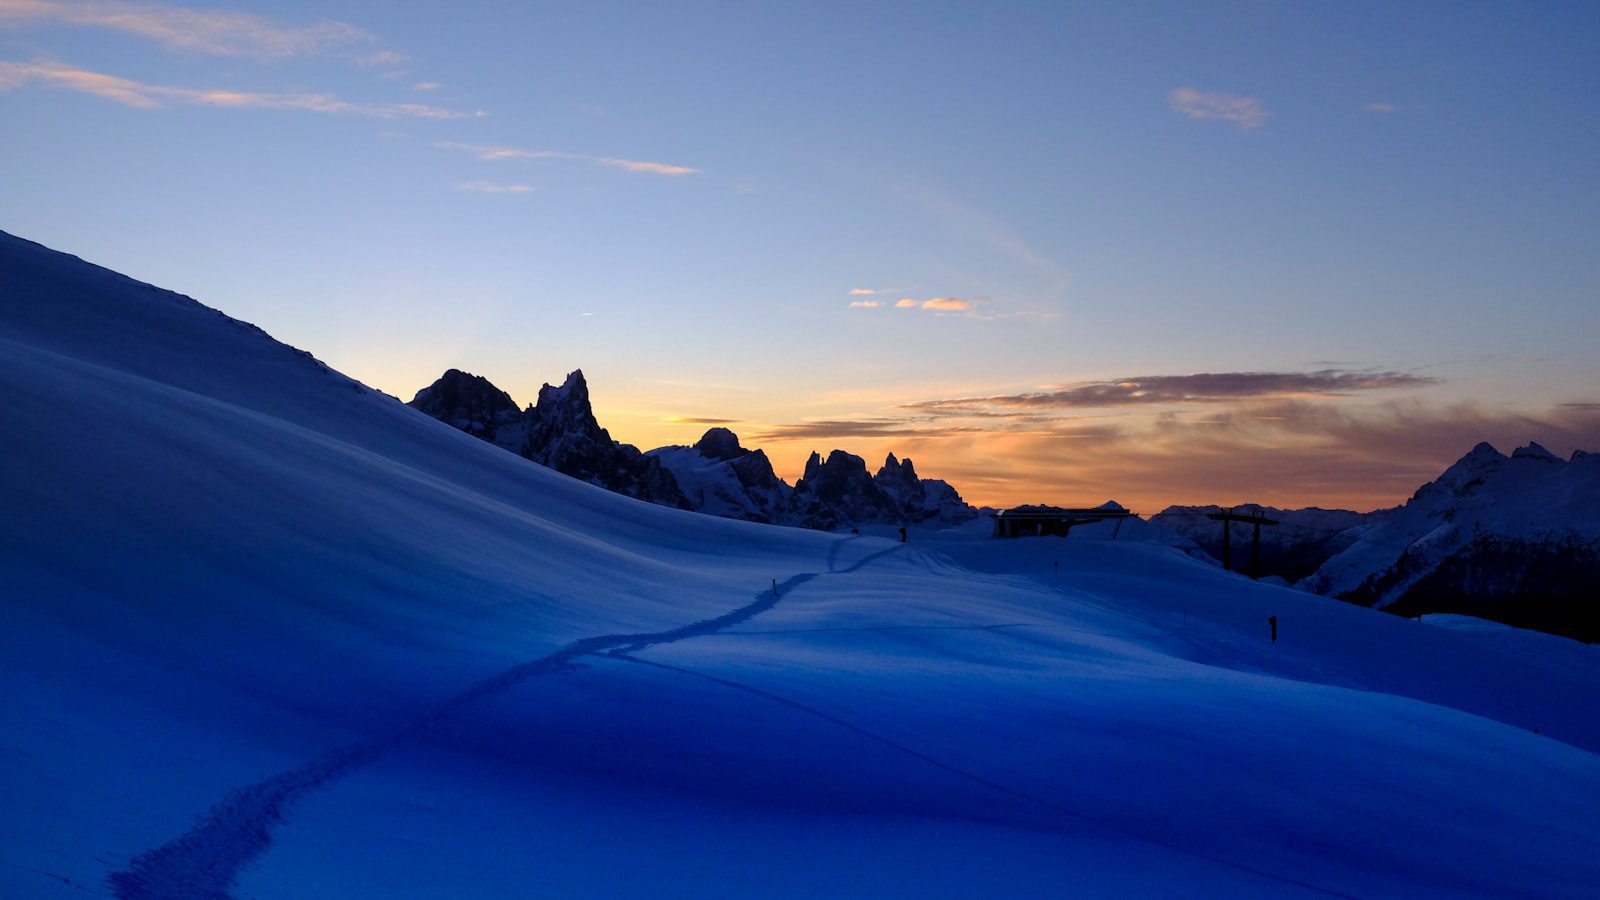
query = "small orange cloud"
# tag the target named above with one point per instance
(946, 304)
(859, 291)
(907, 303)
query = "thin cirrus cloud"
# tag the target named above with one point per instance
(654, 168)
(496, 152)
(830, 429)
(154, 96)
(1381, 107)
(1200, 388)
(1245, 112)
(213, 32)
(495, 187)
(865, 304)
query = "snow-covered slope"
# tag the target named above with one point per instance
(1514, 538)
(265, 632)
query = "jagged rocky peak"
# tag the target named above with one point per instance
(560, 431)
(468, 402)
(720, 444)
(458, 390)
(569, 402)
(898, 472)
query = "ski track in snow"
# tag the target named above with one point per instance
(205, 861)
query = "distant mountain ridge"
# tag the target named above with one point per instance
(716, 475)
(1293, 549)
(1511, 538)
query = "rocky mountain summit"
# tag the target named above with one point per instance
(716, 475)
(559, 431)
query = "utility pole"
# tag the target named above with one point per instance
(1257, 519)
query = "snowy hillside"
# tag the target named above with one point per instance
(268, 633)
(1512, 538)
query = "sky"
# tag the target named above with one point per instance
(1159, 253)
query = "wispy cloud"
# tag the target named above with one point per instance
(214, 32)
(1381, 107)
(153, 96)
(867, 292)
(426, 86)
(947, 304)
(495, 152)
(1202, 388)
(1246, 112)
(1002, 238)
(905, 303)
(382, 58)
(654, 168)
(698, 420)
(866, 304)
(833, 429)
(495, 187)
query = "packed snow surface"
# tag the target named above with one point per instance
(265, 632)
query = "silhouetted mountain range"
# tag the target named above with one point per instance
(1514, 539)
(716, 475)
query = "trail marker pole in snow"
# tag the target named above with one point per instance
(774, 587)
(1272, 622)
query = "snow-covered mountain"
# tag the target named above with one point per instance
(1511, 538)
(1302, 540)
(716, 475)
(721, 478)
(265, 632)
(559, 431)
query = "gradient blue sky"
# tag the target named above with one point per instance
(680, 199)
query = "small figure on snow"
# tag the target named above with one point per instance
(902, 534)
(1272, 622)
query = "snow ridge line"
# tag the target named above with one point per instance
(204, 863)
(623, 655)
